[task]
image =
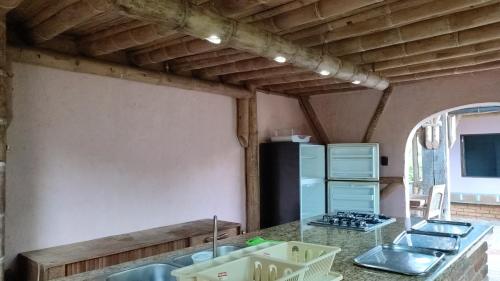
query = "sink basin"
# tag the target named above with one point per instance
(185, 260)
(151, 272)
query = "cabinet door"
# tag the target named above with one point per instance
(312, 198)
(353, 196)
(312, 161)
(353, 161)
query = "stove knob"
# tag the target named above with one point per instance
(354, 223)
(344, 222)
(362, 223)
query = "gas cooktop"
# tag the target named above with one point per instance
(353, 220)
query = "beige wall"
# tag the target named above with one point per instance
(346, 115)
(92, 156)
(277, 112)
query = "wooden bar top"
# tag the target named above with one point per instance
(86, 250)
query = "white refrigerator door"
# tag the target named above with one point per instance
(353, 161)
(353, 196)
(312, 198)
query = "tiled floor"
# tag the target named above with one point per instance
(494, 252)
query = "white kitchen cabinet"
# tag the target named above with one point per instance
(353, 161)
(353, 196)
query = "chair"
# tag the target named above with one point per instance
(430, 207)
(435, 202)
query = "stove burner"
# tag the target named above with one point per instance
(353, 220)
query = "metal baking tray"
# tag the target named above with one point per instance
(400, 259)
(443, 227)
(447, 243)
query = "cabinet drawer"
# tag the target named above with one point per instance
(353, 161)
(206, 238)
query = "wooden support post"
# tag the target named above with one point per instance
(242, 122)
(313, 120)
(252, 168)
(5, 116)
(376, 116)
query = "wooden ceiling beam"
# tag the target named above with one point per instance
(67, 18)
(473, 41)
(458, 21)
(7, 5)
(201, 23)
(301, 84)
(313, 120)
(113, 70)
(392, 15)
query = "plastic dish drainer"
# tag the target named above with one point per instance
(271, 261)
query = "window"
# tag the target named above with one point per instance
(481, 155)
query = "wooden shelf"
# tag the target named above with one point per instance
(90, 255)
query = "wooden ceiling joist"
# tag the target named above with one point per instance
(200, 23)
(68, 17)
(7, 5)
(48, 12)
(92, 66)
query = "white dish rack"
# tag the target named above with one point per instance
(270, 261)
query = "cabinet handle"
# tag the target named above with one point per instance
(211, 238)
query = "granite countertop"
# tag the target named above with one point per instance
(352, 243)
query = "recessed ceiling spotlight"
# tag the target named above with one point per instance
(214, 39)
(356, 82)
(280, 59)
(324, 72)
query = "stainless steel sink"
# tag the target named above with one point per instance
(185, 260)
(151, 272)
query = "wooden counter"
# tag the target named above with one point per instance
(66, 260)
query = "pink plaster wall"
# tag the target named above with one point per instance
(92, 156)
(473, 124)
(277, 112)
(346, 116)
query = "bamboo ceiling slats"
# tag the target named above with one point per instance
(255, 74)
(402, 15)
(396, 38)
(212, 62)
(457, 52)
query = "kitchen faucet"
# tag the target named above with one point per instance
(214, 249)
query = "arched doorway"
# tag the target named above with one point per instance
(434, 154)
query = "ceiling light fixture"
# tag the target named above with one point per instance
(356, 82)
(213, 39)
(280, 59)
(324, 72)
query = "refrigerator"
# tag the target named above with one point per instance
(353, 177)
(292, 182)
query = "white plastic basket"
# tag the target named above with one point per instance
(189, 273)
(254, 268)
(318, 258)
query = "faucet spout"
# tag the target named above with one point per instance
(214, 249)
